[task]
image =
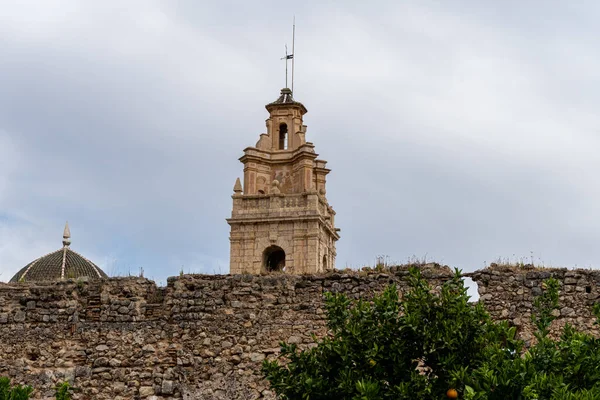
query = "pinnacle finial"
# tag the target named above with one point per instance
(67, 235)
(237, 188)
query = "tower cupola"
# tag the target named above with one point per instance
(285, 130)
(281, 220)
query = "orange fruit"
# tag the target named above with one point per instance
(452, 394)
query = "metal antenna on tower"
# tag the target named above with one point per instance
(286, 58)
(290, 57)
(293, 52)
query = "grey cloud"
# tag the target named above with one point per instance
(464, 131)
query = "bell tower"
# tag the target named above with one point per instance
(281, 220)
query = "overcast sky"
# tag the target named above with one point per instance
(460, 132)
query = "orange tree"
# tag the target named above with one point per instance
(425, 345)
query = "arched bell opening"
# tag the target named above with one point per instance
(274, 259)
(283, 137)
(324, 267)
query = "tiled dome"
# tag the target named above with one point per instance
(60, 264)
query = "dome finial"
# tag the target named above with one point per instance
(67, 235)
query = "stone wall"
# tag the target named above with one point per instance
(508, 294)
(205, 336)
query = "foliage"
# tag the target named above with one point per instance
(17, 392)
(63, 391)
(426, 343)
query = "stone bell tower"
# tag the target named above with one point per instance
(281, 220)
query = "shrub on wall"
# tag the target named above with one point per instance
(17, 392)
(63, 391)
(429, 346)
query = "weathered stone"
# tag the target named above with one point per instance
(100, 362)
(146, 391)
(82, 371)
(114, 363)
(567, 311)
(257, 357)
(555, 313)
(19, 316)
(148, 348)
(119, 387)
(294, 339)
(167, 387)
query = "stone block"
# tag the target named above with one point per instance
(294, 339)
(100, 362)
(167, 387)
(19, 316)
(146, 391)
(567, 311)
(257, 357)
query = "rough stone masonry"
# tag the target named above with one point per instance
(204, 337)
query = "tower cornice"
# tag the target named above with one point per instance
(281, 156)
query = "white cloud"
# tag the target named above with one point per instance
(20, 243)
(464, 131)
(9, 162)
